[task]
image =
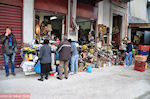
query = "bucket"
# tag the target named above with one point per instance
(89, 69)
(52, 74)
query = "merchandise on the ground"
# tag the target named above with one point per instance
(144, 47)
(141, 52)
(139, 66)
(28, 67)
(140, 58)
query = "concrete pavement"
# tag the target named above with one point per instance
(114, 82)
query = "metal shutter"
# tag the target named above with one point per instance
(11, 16)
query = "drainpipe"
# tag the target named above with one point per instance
(74, 10)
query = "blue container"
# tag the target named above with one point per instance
(89, 69)
(141, 52)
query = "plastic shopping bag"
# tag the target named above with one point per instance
(37, 68)
(57, 56)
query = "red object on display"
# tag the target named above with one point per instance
(51, 74)
(11, 16)
(139, 66)
(144, 47)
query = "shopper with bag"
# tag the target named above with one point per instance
(45, 60)
(64, 50)
(9, 49)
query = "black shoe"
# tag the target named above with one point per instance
(46, 78)
(59, 78)
(66, 77)
(40, 79)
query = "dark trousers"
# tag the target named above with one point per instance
(45, 69)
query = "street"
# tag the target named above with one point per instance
(115, 82)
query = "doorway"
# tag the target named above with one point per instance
(51, 24)
(86, 30)
(116, 29)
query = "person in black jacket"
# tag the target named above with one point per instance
(129, 53)
(45, 60)
(9, 49)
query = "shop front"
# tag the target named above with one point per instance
(118, 22)
(51, 25)
(86, 31)
(86, 20)
(50, 17)
(139, 33)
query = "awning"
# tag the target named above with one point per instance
(140, 26)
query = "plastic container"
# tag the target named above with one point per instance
(139, 66)
(140, 58)
(52, 74)
(144, 47)
(144, 55)
(141, 52)
(89, 69)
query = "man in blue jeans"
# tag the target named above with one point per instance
(129, 53)
(9, 49)
(74, 57)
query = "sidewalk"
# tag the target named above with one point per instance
(114, 82)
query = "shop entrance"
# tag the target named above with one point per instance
(51, 25)
(116, 30)
(140, 37)
(86, 30)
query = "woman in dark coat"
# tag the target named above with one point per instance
(45, 60)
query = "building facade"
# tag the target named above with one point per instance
(23, 15)
(138, 15)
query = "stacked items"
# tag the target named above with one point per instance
(144, 50)
(30, 57)
(95, 58)
(141, 58)
(140, 63)
(105, 56)
(27, 67)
